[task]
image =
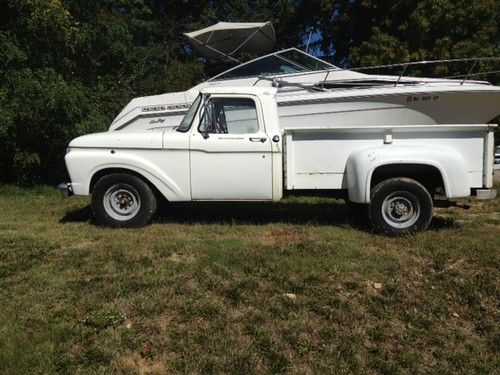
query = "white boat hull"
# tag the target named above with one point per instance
(418, 108)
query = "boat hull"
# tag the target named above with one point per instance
(380, 106)
(410, 108)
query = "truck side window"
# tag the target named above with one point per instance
(230, 116)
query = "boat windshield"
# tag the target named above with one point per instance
(189, 116)
(285, 62)
(305, 60)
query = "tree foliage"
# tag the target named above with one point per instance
(67, 67)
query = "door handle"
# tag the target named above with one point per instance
(258, 139)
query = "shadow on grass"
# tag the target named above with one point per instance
(439, 223)
(256, 213)
(241, 213)
(80, 215)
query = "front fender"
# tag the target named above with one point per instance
(171, 179)
(362, 163)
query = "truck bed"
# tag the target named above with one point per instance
(316, 158)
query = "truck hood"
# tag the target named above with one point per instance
(149, 139)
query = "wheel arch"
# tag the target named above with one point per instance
(112, 170)
(159, 182)
(429, 175)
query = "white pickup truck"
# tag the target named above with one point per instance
(231, 146)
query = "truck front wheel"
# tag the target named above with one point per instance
(400, 206)
(122, 200)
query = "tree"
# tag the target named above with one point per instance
(371, 32)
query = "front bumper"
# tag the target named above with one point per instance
(65, 189)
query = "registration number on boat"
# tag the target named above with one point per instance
(421, 98)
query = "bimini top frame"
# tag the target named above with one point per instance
(231, 39)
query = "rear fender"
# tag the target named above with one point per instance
(362, 163)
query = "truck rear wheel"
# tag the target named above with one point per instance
(400, 206)
(121, 200)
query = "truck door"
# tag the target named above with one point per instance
(230, 151)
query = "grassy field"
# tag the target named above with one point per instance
(295, 287)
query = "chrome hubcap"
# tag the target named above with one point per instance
(401, 209)
(121, 202)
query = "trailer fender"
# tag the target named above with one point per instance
(362, 163)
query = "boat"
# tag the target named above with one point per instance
(313, 92)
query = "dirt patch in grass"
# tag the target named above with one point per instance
(181, 258)
(284, 237)
(133, 363)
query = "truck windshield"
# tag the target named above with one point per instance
(188, 118)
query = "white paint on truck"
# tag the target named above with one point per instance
(237, 149)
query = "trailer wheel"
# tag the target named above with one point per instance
(400, 206)
(121, 200)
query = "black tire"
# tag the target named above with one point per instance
(400, 206)
(121, 200)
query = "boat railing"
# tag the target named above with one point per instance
(470, 73)
(281, 81)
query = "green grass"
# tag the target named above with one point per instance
(202, 290)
